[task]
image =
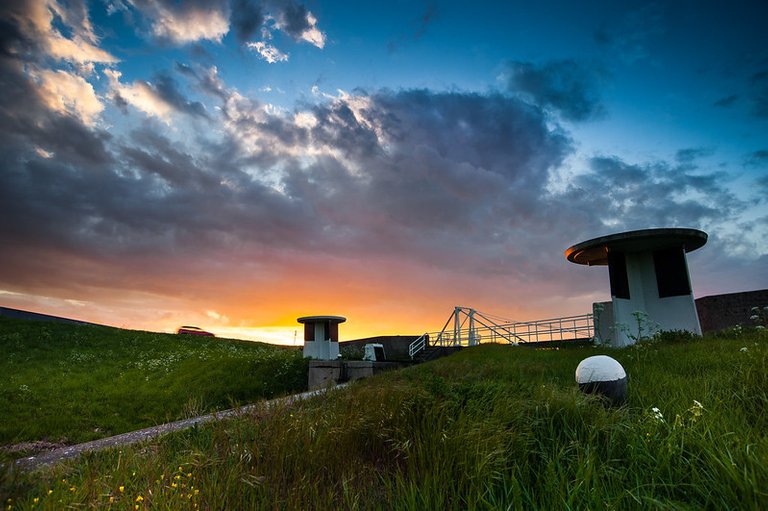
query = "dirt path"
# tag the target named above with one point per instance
(73, 451)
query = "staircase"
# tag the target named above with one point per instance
(434, 352)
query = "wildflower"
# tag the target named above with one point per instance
(121, 488)
(36, 500)
(50, 491)
(174, 485)
(136, 506)
(657, 414)
(139, 498)
(189, 474)
(177, 477)
(72, 488)
(111, 499)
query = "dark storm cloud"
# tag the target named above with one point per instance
(294, 18)
(657, 194)
(246, 18)
(206, 81)
(167, 90)
(564, 85)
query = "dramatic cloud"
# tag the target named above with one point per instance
(565, 86)
(296, 21)
(268, 52)
(159, 99)
(30, 24)
(374, 202)
(247, 17)
(68, 93)
(186, 22)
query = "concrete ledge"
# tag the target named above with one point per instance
(323, 373)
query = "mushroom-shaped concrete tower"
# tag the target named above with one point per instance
(321, 336)
(648, 271)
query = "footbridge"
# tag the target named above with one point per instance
(469, 327)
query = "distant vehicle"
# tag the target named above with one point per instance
(193, 330)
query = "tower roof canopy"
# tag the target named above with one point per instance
(595, 251)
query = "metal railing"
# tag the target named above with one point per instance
(471, 327)
(418, 345)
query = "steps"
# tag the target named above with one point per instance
(434, 352)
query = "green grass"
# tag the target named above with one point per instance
(70, 383)
(493, 427)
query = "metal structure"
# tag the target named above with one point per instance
(469, 327)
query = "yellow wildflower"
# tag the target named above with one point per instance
(121, 488)
(139, 498)
(36, 500)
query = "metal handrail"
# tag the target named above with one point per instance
(418, 345)
(565, 328)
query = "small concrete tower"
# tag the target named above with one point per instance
(649, 274)
(321, 336)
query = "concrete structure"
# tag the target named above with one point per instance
(374, 352)
(395, 346)
(321, 336)
(650, 284)
(603, 376)
(327, 373)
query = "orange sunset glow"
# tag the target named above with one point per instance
(242, 165)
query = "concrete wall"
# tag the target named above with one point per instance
(718, 312)
(323, 373)
(670, 313)
(395, 346)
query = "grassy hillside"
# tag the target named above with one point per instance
(71, 383)
(493, 427)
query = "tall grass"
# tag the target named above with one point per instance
(493, 427)
(72, 383)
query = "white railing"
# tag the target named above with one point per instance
(418, 345)
(471, 327)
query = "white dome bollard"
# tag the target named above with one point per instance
(603, 376)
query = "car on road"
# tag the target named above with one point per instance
(193, 330)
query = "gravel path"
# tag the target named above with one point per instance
(74, 451)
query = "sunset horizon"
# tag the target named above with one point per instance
(234, 165)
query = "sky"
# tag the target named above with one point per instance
(237, 164)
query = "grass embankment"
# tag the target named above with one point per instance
(70, 383)
(493, 427)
